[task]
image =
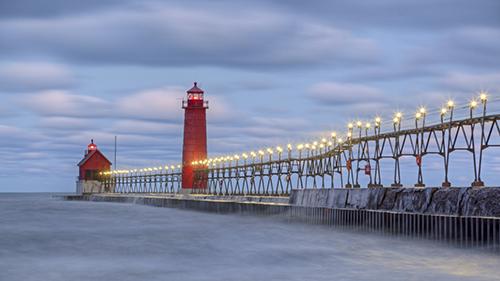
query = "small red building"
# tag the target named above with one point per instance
(93, 163)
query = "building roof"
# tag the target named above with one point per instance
(90, 155)
(195, 89)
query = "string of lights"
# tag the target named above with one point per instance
(338, 140)
(334, 141)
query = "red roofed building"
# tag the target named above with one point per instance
(90, 166)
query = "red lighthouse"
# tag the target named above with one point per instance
(195, 135)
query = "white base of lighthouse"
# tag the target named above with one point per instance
(89, 186)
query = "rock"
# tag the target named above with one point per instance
(389, 199)
(338, 198)
(481, 202)
(358, 198)
(413, 200)
(445, 201)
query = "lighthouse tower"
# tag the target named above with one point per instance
(195, 135)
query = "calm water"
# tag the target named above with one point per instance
(47, 239)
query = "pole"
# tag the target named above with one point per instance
(115, 153)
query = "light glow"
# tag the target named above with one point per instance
(483, 96)
(473, 104)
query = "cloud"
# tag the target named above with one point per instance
(32, 76)
(338, 94)
(66, 123)
(162, 35)
(468, 47)
(399, 15)
(471, 82)
(65, 104)
(147, 128)
(155, 104)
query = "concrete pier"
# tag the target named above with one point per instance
(468, 217)
(483, 202)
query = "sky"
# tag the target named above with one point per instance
(273, 71)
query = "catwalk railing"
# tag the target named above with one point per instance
(338, 162)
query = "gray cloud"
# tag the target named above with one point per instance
(178, 35)
(465, 47)
(282, 71)
(339, 94)
(394, 14)
(32, 76)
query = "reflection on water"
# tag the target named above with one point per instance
(47, 239)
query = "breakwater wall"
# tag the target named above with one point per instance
(462, 202)
(359, 211)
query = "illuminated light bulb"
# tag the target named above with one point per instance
(307, 145)
(395, 120)
(313, 147)
(340, 140)
(334, 134)
(323, 140)
(450, 103)
(261, 152)
(483, 96)
(289, 146)
(230, 158)
(368, 125)
(269, 150)
(300, 146)
(237, 157)
(178, 166)
(245, 155)
(473, 104)
(399, 115)
(359, 124)
(349, 134)
(279, 149)
(253, 154)
(378, 120)
(422, 110)
(350, 125)
(418, 115)
(315, 143)
(330, 143)
(321, 146)
(444, 110)
(172, 167)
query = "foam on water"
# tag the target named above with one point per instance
(48, 239)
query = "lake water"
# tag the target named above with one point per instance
(42, 238)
